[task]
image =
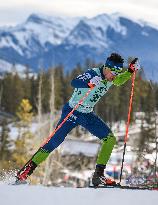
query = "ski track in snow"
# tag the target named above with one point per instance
(27, 194)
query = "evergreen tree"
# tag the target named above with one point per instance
(24, 112)
(67, 88)
(27, 83)
(13, 92)
(147, 135)
(5, 145)
(1, 92)
(5, 141)
(23, 144)
(45, 90)
(59, 87)
(33, 93)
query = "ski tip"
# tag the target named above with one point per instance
(19, 182)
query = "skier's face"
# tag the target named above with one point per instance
(109, 75)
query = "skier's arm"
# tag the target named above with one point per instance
(122, 78)
(83, 80)
(78, 83)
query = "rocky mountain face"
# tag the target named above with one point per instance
(43, 41)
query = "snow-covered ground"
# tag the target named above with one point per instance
(38, 195)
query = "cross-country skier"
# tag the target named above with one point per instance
(99, 80)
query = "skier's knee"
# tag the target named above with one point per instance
(110, 137)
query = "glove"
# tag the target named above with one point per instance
(95, 80)
(134, 65)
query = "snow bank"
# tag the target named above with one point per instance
(39, 195)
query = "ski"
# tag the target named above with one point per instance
(124, 187)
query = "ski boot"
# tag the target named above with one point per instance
(26, 171)
(99, 178)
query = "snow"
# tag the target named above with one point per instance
(91, 31)
(26, 194)
(106, 20)
(151, 157)
(8, 67)
(84, 175)
(7, 42)
(50, 29)
(40, 27)
(77, 147)
(41, 33)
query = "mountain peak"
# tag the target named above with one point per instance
(43, 38)
(38, 19)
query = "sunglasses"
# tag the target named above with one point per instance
(115, 70)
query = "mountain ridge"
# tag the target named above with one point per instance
(48, 41)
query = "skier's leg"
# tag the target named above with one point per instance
(55, 141)
(98, 128)
(46, 149)
(107, 146)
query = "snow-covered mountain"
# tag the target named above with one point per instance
(43, 41)
(33, 37)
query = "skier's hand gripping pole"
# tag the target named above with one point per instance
(134, 65)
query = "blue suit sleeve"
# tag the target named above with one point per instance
(82, 80)
(76, 83)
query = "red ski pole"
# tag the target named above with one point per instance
(128, 122)
(69, 114)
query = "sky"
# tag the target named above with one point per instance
(13, 12)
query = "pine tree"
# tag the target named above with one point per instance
(13, 92)
(5, 144)
(23, 144)
(59, 87)
(27, 83)
(147, 135)
(24, 112)
(1, 92)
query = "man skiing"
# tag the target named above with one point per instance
(98, 80)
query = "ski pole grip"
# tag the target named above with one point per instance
(134, 61)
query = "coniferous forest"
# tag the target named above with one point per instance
(113, 106)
